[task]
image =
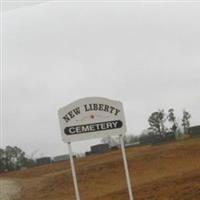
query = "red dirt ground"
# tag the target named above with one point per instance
(163, 172)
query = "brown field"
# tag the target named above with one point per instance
(167, 172)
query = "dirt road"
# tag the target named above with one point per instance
(9, 190)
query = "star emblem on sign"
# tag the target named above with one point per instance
(92, 116)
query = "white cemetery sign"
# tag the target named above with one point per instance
(89, 118)
(92, 117)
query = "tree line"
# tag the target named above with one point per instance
(163, 126)
(13, 158)
(157, 123)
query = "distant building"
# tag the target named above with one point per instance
(43, 160)
(157, 139)
(99, 148)
(113, 148)
(87, 153)
(132, 144)
(194, 131)
(61, 158)
(168, 137)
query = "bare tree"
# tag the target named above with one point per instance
(156, 122)
(172, 118)
(185, 121)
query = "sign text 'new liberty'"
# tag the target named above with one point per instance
(91, 117)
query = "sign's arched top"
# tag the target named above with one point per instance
(91, 117)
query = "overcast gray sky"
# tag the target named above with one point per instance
(148, 57)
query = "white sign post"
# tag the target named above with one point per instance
(77, 194)
(89, 118)
(126, 168)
